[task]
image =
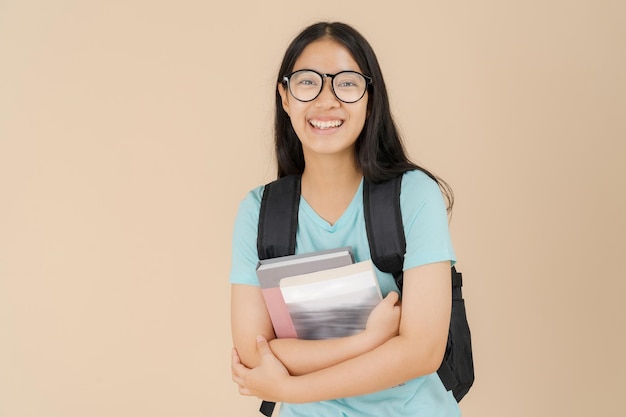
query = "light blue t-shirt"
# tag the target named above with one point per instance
(427, 235)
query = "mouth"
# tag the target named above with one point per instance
(325, 124)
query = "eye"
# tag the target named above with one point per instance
(305, 79)
(349, 80)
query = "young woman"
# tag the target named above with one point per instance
(334, 127)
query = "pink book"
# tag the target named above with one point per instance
(281, 320)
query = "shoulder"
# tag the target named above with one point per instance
(425, 221)
(248, 214)
(417, 177)
(244, 253)
(251, 202)
(419, 188)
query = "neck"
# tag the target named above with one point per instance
(330, 175)
(329, 184)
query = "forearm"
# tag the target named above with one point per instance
(305, 356)
(415, 348)
(396, 361)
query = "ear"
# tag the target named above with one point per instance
(284, 95)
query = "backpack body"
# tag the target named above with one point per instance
(278, 222)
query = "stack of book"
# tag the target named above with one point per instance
(318, 295)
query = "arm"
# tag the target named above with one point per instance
(417, 350)
(249, 318)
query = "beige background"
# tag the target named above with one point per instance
(130, 130)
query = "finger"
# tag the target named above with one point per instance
(263, 346)
(237, 369)
(391, 298)
(238, 374)
(236, 358)
(235, 372)
(235, 362)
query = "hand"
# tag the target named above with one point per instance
(267, 381)
(384, 320)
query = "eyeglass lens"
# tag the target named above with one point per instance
(348, 86)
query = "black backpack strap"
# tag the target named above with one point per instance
(278, 224)
(457, 280)
(267, 408)
(383, 223)
(278, 218)
(457, 369)
(385, 233)
(447, 376)
(445, 372)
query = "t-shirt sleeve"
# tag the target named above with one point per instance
(425, 220)
(244, 258)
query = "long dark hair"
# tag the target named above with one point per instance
(379, 150)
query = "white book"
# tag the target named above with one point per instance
(331, 303)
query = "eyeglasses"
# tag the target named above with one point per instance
(348, 86)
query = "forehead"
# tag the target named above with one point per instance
(327, 56)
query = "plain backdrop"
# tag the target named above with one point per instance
(130, 130)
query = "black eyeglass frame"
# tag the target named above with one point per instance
(287, 79)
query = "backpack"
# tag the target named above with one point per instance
(278, 223)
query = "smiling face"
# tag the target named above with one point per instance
(325, 125)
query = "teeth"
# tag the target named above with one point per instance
(325, 125)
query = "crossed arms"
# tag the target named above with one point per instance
(400, 342)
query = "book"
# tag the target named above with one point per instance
(331, 303)
(271, 271)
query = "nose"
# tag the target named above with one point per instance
(327, 97)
